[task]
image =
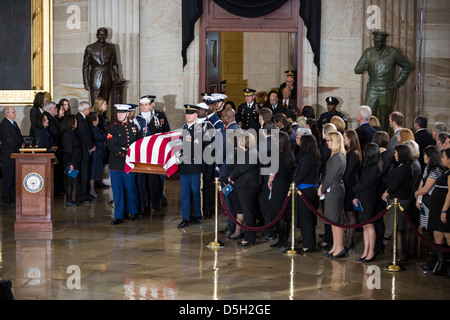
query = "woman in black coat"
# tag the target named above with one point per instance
(354, 161)
(381, 138)
(72, 155)
(247, 180)
(279, 184)
(364, 192)
(400, 184)
(37, 109)
(42, 138)
(306, 179)
(98, 154)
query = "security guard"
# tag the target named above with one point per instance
(190, 168)
(247, 115)
(325, 117)
(120, 135)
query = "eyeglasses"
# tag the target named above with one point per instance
(329, 140)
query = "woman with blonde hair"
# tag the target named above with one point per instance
(101, 106)
(374, 122)
(339, 123)
(332, 188)
(405, 135)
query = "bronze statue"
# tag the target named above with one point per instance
(100, 67)
(380, 62)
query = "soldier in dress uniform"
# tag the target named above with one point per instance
(151, 186)
(247, 115)
(325, 117)
(209, 133)
(220, 103)
(212, 115)
(190, 168)
(120, 135)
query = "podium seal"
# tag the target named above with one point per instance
(33, 182)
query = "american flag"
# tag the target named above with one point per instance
(158, 149)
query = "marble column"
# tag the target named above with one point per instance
(121, 18)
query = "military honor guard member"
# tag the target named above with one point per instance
(212, 115)
(325, 117)
(120, 135)
(209, 134)
(151, 186)
(220, 103)
(247, 115)
(190, 168)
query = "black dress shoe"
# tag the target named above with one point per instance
(238, 237)
(339, 255)
(133, 217)
(198, 221)
(307, 250)
(116, 222)
(71, 204)
(184, 224)
(85, 201)
(361, 259)
(245, 244)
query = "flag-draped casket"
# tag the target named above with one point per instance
(155, 154)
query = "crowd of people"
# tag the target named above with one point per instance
(351, 175)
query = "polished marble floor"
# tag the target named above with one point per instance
(86, 258)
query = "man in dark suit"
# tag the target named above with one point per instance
(12, 141)
(88, 146)
(365, 131)
(287, 101)
(274, 104)
(54, 128)
(423, 137)
(100, 67)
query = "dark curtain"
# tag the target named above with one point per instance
(310, 12)
(250, 8)
(191, 11)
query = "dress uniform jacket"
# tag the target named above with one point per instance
(248, 116)
(326, 118)
(192, 137)
(120, 137)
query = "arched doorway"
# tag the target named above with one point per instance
(229, 49)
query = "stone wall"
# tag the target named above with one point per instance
(148, 33)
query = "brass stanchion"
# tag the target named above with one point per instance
(394, 267)
(216, 243)
(292, 250)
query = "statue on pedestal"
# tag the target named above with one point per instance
(380, 62)
(100, 67)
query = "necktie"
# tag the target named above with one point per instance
(285, 103)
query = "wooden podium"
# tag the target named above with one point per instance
(34, 190)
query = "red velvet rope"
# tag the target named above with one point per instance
(353, 226)
(421, 237)
(279, 216)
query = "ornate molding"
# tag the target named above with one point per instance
(40, 55)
